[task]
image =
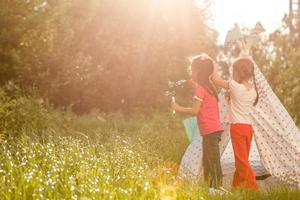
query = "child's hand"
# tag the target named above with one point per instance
(245, 49)
(174, 106)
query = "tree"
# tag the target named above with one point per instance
(101, 53)
(16, 17)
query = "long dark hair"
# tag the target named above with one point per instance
(203, 69)
(244, 68)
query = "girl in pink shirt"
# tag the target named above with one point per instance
(205, 107)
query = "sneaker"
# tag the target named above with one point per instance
(214, 191)
(224, 190)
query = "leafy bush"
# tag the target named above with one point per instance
(20, 113)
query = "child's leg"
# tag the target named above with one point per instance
(248, 138)
(215, 160)
(241, 136)
(205, 162)
(212, 156)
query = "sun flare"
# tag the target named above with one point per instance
(247, 13)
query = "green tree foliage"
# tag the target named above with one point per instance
(16, 17)
(279, 58)
(21, 114)
(100, 53)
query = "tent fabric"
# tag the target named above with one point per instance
(277, 136)
(275, 148)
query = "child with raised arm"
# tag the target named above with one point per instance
(243, 97)
(205, 107)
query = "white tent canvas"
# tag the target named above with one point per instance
(275, 148)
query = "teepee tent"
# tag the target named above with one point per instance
(275, 148)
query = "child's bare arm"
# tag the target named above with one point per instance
(218, 81)
(194, 110)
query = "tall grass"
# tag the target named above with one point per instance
(71, 168)
(50, 154)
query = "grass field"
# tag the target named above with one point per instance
(50, 154)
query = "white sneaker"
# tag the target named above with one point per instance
(214, 191)
(224, 190)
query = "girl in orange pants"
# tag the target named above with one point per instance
(241, 137)
(243, 98)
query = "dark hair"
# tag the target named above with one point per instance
(203, 69)
(244, 68)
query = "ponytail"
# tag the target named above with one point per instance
(255, 86)
(213, 89)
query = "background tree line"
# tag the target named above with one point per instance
(279, 56)
(101, 54)
(119, 55)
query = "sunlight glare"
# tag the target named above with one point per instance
(247, 13)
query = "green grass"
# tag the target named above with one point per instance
(121, 168)
(71, 168)
(50, 154)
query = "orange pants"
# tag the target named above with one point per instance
(241, 137)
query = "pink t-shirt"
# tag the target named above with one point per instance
(208, 117)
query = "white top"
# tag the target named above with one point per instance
(241, 103)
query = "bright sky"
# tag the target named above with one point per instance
(246, 13)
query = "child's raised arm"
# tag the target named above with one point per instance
(218, 81)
